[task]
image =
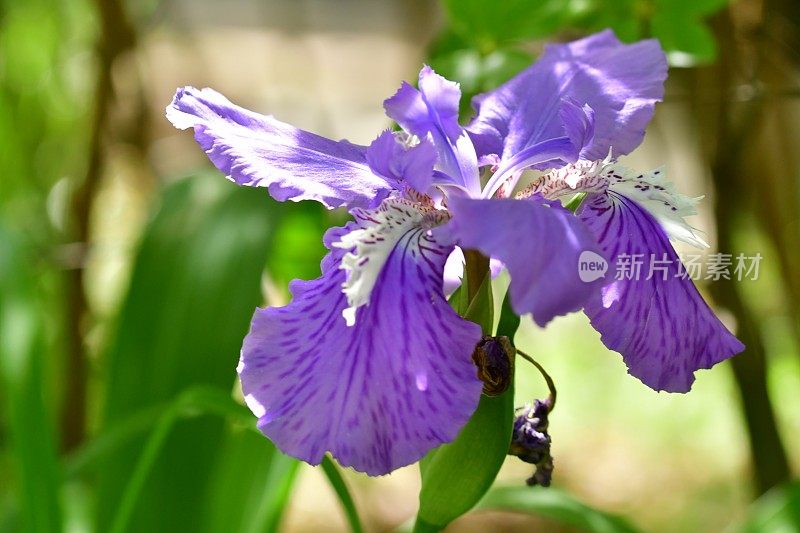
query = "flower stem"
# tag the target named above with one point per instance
(550, 384)
(476, 268)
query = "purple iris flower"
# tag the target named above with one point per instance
(368, 361)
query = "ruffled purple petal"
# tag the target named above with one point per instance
(400, 165)
(620, 82)
(377, 395)
(259, 151)
(661, 326)
(541, 244)
(433, 110)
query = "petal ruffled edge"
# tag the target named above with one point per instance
(259, 151)
(620, 82)
(663, 328)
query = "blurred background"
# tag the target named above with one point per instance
(129, 267)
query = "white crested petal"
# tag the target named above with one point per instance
(655, 193)
(649, 189)
(396, 223)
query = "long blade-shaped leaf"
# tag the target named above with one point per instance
(340, 487)
(195, 283)
(21, 354)
(555, 505)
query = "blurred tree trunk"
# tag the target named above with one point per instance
(731, 103)
(116, 37)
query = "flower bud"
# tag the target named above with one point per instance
(494, 357)
(531, 442)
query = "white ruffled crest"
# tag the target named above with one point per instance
(650, 189)
(381, 230)
(658, 195)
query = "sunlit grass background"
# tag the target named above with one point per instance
(130, 268)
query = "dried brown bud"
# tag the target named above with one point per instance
(494, 357)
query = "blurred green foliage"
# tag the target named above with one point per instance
(172, 448)
(45, 98)
(30, 438)
(194, 286)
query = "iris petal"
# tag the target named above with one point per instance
(621, 83)
(259, 151)
(540, 243)
(662, 326)
(412, 166)
(433, 110)
(377, 395)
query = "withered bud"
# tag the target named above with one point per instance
(494, 357)
(531, 441)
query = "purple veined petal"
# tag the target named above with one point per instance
(259, 151)
(380, 394)
(433, 110)
(541, 244)
(413, 165)
(621, 83)
(662, 326)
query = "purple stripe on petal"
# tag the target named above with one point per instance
(540, 243)
(620, 82)
(661, 326)
(377, 395)
(259, 151)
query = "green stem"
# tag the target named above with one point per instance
(337, 482)
(476, 268)
(575, 202)
(550, 384)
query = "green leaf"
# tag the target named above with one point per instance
(481, 309)
(622, 16)
(509, 320)
(458, 474)
(777, 510)
(476, 72)
(195, 283)
(555, 505)
(694, 7)
(29, 424)
(276, 490)
(340, 487)
(209, 401)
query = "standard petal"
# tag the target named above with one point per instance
(259, 151)
(578, 125)
(401, 165)
(662, 326)
(433, 110)
(377, 395)
(620, 82)
(541, 244)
